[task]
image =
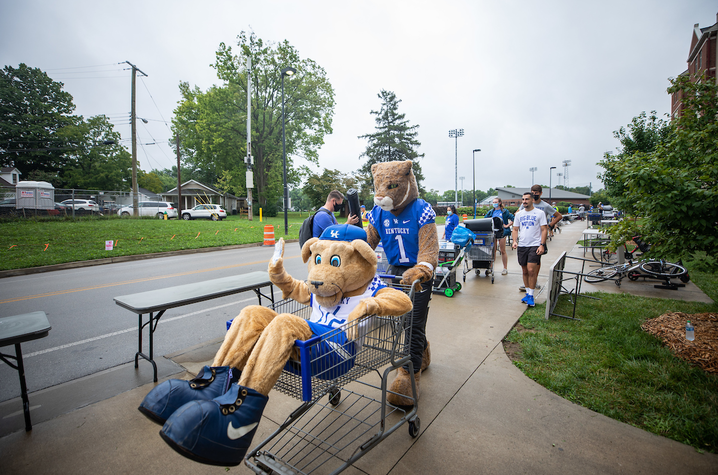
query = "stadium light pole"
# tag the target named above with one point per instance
(550, 173)
(473, 172)
(289, 71)
(455, 134)
(532, 170)
(566, 164)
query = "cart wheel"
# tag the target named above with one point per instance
(478, 271)
(414, 428)
(486, 273)
(492, 278)
(335, 395)
(464, 277)
(449, 292)
(458, 287)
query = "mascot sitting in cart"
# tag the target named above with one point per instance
(213, 417)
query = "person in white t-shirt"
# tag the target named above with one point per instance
(534, 231)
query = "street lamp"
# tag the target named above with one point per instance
(473, 172)
(550, 173)
(289, 71)
(455, 134)
(532, 170)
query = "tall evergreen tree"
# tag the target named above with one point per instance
(394, 139)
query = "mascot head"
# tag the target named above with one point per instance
(341, 264)
(394, 185)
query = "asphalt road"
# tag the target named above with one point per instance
(90, 333)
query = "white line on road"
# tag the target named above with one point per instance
(108, 335)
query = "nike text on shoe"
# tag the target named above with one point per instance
(530, 302)
(170, 395)
(216, 432)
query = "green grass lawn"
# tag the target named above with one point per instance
(608, 364)
(38, 242)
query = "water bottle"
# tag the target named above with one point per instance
(690, 336)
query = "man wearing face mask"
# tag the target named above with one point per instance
(325, 215)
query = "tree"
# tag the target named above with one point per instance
(641, 136)
(212, 124)
(34, 115)
(149, 181)
(317, 187)
(674, 187)
(394, 139)
(97, 162)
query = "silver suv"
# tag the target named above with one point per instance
(150, 208)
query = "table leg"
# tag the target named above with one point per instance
(152, 320)
(23, 388)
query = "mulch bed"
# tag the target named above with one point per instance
(671, 329)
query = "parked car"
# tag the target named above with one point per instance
(213, 212)
(150, 208)
(82, 205)
(60, 210)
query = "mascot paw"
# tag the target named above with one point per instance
(278, 252)
(417, 272)
(402, 387)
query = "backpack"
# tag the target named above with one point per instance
(306, 232)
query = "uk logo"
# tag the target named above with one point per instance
(335, 234)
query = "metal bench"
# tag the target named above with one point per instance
(156, 302)
(16, 330)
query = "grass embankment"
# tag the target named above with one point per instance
(38, 242)
(607, 363)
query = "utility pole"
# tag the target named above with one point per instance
(179, 181)
(133, 119)
(249, 174)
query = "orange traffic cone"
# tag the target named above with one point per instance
(269, 235)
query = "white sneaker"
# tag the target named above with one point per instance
(504, 272)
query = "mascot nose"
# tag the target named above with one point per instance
(316, 283)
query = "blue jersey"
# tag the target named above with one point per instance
(400, 234)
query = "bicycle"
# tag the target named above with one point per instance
(658, 269)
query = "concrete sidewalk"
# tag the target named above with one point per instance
(479, 413)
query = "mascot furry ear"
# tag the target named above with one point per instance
(213, 418)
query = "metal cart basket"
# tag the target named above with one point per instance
(327, 435)
(481, 254)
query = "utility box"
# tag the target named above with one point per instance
(34, 195)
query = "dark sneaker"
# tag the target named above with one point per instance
(216, 432)
(530, 301)
(167, 397)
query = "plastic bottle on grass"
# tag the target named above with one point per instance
(690, 335)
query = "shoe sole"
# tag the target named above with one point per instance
(151, 415)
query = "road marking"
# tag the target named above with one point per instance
(127, 330)
(127, 282)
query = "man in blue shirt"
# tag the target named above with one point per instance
(325, 215)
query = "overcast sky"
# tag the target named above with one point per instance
(531, 83)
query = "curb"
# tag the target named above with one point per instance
(113, 260)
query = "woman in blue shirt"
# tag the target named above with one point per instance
(508, 219)
(452, 220)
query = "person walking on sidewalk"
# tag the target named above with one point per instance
(452, 221)
(534, 232)
(500, 212)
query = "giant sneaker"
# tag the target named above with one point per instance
(167, 397)
(216, 432)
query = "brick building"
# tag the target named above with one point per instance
(702, 58)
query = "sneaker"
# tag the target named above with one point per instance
(504, 272)
(530, 301)
(522, 288)
(170, 395)
(216, 432)
(525, 299)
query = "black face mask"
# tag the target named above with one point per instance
(338, 208)
(536, 197)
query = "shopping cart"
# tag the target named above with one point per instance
(328, 434)
(481, 254)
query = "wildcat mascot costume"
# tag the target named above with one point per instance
(213, 417)
(405, 226)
